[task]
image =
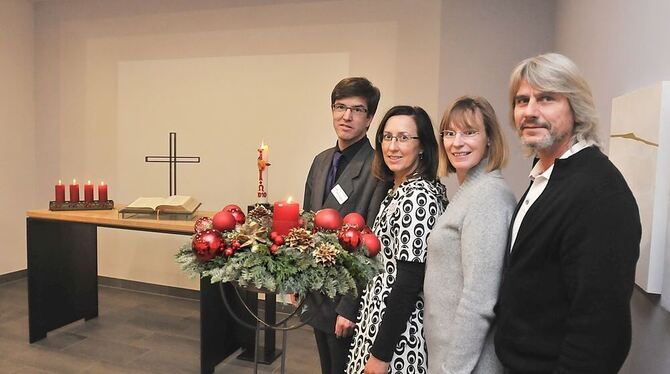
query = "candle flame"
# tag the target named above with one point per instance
(290, 198)
(74, 181)
(102, 183)
(60, 182)
(89, 182)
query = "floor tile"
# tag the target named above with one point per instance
(135, 332)
(105, 350)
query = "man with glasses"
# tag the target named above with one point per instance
(574, 239)
(341, 178)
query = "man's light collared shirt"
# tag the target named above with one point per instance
(540, 180)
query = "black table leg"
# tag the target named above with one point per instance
(62, 274)
(218, 337)
(269, 352)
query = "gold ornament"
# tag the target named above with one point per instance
(325, 254)
(300, 239)
(251, 233)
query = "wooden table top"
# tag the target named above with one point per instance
(112, 218)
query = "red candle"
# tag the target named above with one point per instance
(102, 191)
(285, 216)
(74, 191)
(60, 192)
(88, 192)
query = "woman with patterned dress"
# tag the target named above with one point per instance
(467, 244)
(389, 334)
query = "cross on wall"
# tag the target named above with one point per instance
(173, 160)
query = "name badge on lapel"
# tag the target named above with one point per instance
(339, 194)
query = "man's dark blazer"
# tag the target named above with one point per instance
(365, 194)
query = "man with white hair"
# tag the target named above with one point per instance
(564, 304)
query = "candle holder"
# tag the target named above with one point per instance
(81, 205)
(261, 324)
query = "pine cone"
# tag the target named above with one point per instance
(325, 254)
(259, 212)
(299, 238)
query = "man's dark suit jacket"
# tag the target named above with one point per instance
(365, 194)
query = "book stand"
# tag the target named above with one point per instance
(157, 215)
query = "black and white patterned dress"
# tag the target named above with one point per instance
(402, 225)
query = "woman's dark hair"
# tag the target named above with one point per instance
(428, 161)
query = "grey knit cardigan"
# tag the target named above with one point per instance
(463, 271)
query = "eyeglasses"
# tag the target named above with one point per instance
(402, 138)
(357, 110)
(451, 134)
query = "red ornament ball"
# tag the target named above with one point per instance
(239, 216)
(279, 240)
(349, 238)
(354, 220)
(199, 245)
(224, 221)
(207, 244)
(366, 230)
(202, 224)
(229, 252)
(327, 219)
(371, 243)
(274, 248)
(231, 208)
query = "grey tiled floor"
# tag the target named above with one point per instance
(135, 333)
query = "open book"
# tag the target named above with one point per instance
(170, 205)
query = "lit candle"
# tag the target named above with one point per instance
(74, 191)
(262, 167)
(265, 150)
(102, 191)
(285, 216)
(88, 191)
(60, 192)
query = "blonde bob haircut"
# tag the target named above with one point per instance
(553, 72)
(475, 113)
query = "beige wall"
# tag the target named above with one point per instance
(619, 45)
(17, 131)
(115, 77)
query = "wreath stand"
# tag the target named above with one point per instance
(260, 323)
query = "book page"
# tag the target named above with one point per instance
(147, 202)
(179, 204)
(176, 200)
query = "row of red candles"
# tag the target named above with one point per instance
(74, 192)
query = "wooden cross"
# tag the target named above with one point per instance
(173, 160)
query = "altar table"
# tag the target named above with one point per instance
(63, 277)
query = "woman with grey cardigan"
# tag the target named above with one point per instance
(466, 247)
